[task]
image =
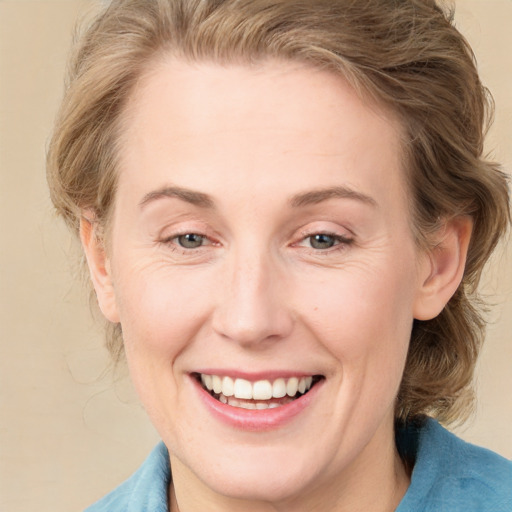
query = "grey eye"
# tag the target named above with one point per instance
(322, 241)
(190, 240)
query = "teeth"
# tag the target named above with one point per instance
(228, 387)
(292, 386)
(247, 405)
(217, 384)
(279, 388)
(207, 381)
(233, 402)
(262, 390)
(242, 389)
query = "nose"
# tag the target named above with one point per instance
(252, 310)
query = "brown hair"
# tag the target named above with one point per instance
(406, 54)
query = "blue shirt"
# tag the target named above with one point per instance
(449, 475)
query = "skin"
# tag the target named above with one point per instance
(257, 295)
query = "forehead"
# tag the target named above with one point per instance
(190, 86)
(255, 121)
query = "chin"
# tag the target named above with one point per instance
(256, 473)
(261, 482)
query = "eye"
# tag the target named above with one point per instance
(322, 241)
(190, 240)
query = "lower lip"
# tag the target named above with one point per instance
(257, 419)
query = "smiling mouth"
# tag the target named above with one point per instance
(262, 394)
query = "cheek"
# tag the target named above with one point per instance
(160, 311)
(362, 317)
(160, 315)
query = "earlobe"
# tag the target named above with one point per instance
(99, 268)
(443, 268)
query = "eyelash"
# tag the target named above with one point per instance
(339, 242)
(172, 241)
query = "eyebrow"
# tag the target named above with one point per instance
(320, 195)
(299, 200)
(189, 196)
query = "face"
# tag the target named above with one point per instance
(261, 247)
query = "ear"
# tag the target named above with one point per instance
(442, 268)
(99, 268)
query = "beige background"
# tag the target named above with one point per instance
(69, 431)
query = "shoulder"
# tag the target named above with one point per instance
(452, 475)
(144, 491)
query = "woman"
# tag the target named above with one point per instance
(285, 213)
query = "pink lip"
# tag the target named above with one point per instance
(259, 419)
